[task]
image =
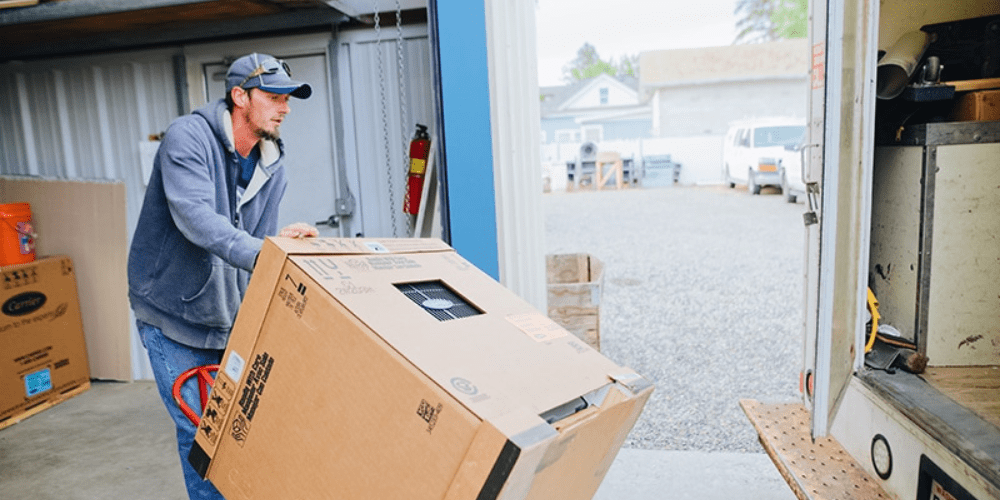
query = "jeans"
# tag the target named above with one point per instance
(170, 359)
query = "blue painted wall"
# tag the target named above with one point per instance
(460, 34)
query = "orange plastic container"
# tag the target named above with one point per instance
(17, 236)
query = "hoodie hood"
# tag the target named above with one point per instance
(221, 122)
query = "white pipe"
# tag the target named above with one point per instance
(900, 61)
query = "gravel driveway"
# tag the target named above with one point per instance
(702, 295)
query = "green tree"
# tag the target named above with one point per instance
(753, 21)
(628, 65)
(768, 20)
(791, 19)
(588, 64)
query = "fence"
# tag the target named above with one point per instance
(700, 157)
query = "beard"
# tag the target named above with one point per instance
(271, 136)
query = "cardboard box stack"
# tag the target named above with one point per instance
(362, 369)
(44, 358)
(574, 290)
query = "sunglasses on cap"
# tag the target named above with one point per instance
(268, 67)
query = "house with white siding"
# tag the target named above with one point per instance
(601, 108)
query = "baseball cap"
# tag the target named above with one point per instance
(266, 73)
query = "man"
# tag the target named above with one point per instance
(213, 196)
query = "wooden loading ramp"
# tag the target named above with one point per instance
(814, 470)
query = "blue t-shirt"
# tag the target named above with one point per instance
(247, 166)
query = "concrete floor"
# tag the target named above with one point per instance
(115, 442)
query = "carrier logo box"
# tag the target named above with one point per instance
(394, 368)
(44, 355)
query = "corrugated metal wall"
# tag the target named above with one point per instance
(514, 114)
(83, 119)
(365, 138)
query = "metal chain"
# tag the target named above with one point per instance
(404, 120)
(385, 123)
(401, 77)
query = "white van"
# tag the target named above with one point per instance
(765, 152)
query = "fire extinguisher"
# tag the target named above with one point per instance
(420, 148)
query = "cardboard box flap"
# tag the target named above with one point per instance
(357, 246)
(469, 355)
(587, 445)
(631, 380)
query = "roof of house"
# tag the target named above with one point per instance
(783, 58)
(555, 98)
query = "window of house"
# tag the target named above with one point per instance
(593, 133)
(604, 95)
(568, 135)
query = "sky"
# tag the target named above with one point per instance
(625, 27)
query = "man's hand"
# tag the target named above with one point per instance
(298, 230)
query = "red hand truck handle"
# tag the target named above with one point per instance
(206, 381)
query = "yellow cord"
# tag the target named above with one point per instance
(873, 308)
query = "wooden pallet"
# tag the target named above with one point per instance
(819, 469)
(616, 168)
(45, 405)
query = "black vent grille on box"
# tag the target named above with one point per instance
(438, 300)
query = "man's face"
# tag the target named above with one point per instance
(265, 112)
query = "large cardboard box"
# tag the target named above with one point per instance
(977, 106)
(362, 369)
(44, 354)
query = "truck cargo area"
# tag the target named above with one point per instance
(901, 360)
(933, 266)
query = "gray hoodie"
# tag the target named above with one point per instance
(198, 235)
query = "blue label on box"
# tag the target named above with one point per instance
(38, 382)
